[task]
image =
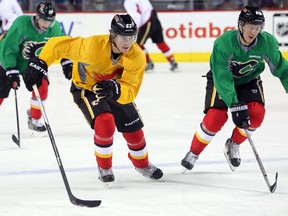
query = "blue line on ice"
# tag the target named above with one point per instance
(115, 167)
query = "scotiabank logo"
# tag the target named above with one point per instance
(189, 31)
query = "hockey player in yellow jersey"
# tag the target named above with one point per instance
(107, 74)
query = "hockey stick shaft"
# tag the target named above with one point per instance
(272, 188)
(14, 138)
(73, 199)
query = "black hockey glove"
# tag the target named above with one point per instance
(13, 79)
(67, 66)
(240, 115)
(107, 89)
(34, 73)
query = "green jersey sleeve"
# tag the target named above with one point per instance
(278, 65)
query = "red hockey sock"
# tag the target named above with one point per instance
(35, 111)
(104, 128)
(256, 113)
(166, 51)
(238, 135)
(1, 100)
(137, 148)
(146, 53)
(211, 124)
(163, 47)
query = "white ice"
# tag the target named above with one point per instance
(171, 105)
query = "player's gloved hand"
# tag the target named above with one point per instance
(13, 79)
(67, 66)
(34, 73)
(240, 115)
(107, 89)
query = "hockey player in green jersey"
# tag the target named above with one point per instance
(234, 83)
(24, 41)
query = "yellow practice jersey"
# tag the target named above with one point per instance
(93, 62)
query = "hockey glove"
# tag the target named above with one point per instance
(13, 79)
(67, 66)
(107, 89)
(240, 115)
(34, 73)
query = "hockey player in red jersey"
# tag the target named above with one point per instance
(234, 83)
(149, 27)
(107, 74)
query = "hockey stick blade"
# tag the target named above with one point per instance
(15, 140)
(274, 186)
(73, 199)
(85, 203)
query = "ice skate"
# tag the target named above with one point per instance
(174, 66)
(231, 152)
(150, 171)
(189, 161)
(106, 176)
(149, 66)
(35, 125)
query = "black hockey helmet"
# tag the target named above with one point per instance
(252, 15)
(123, 25)
(46, 11)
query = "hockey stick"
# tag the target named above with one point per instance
(272, 188)
(73, 199)
(14, 138)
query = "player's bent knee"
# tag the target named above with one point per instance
(104, 125)
(257, 112)
(215, 119)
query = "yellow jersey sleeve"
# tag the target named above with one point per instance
(92, 62)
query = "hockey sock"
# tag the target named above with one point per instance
(104, 127)
(138, 153)
(1, 100)
(166, 51)
(256, 113)
(211, 124)
(146, 53)
(35, 111)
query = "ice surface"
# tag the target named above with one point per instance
(171, 105)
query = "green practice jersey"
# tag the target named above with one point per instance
(24, 41)
(234, 64)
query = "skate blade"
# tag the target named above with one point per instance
(108, 185)
(228, 160)
(34, 133)
(176, 70)
(184, 170)
(149, 71)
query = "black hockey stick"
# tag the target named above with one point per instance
(73, 199)
(272, 188)
(14, 138)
